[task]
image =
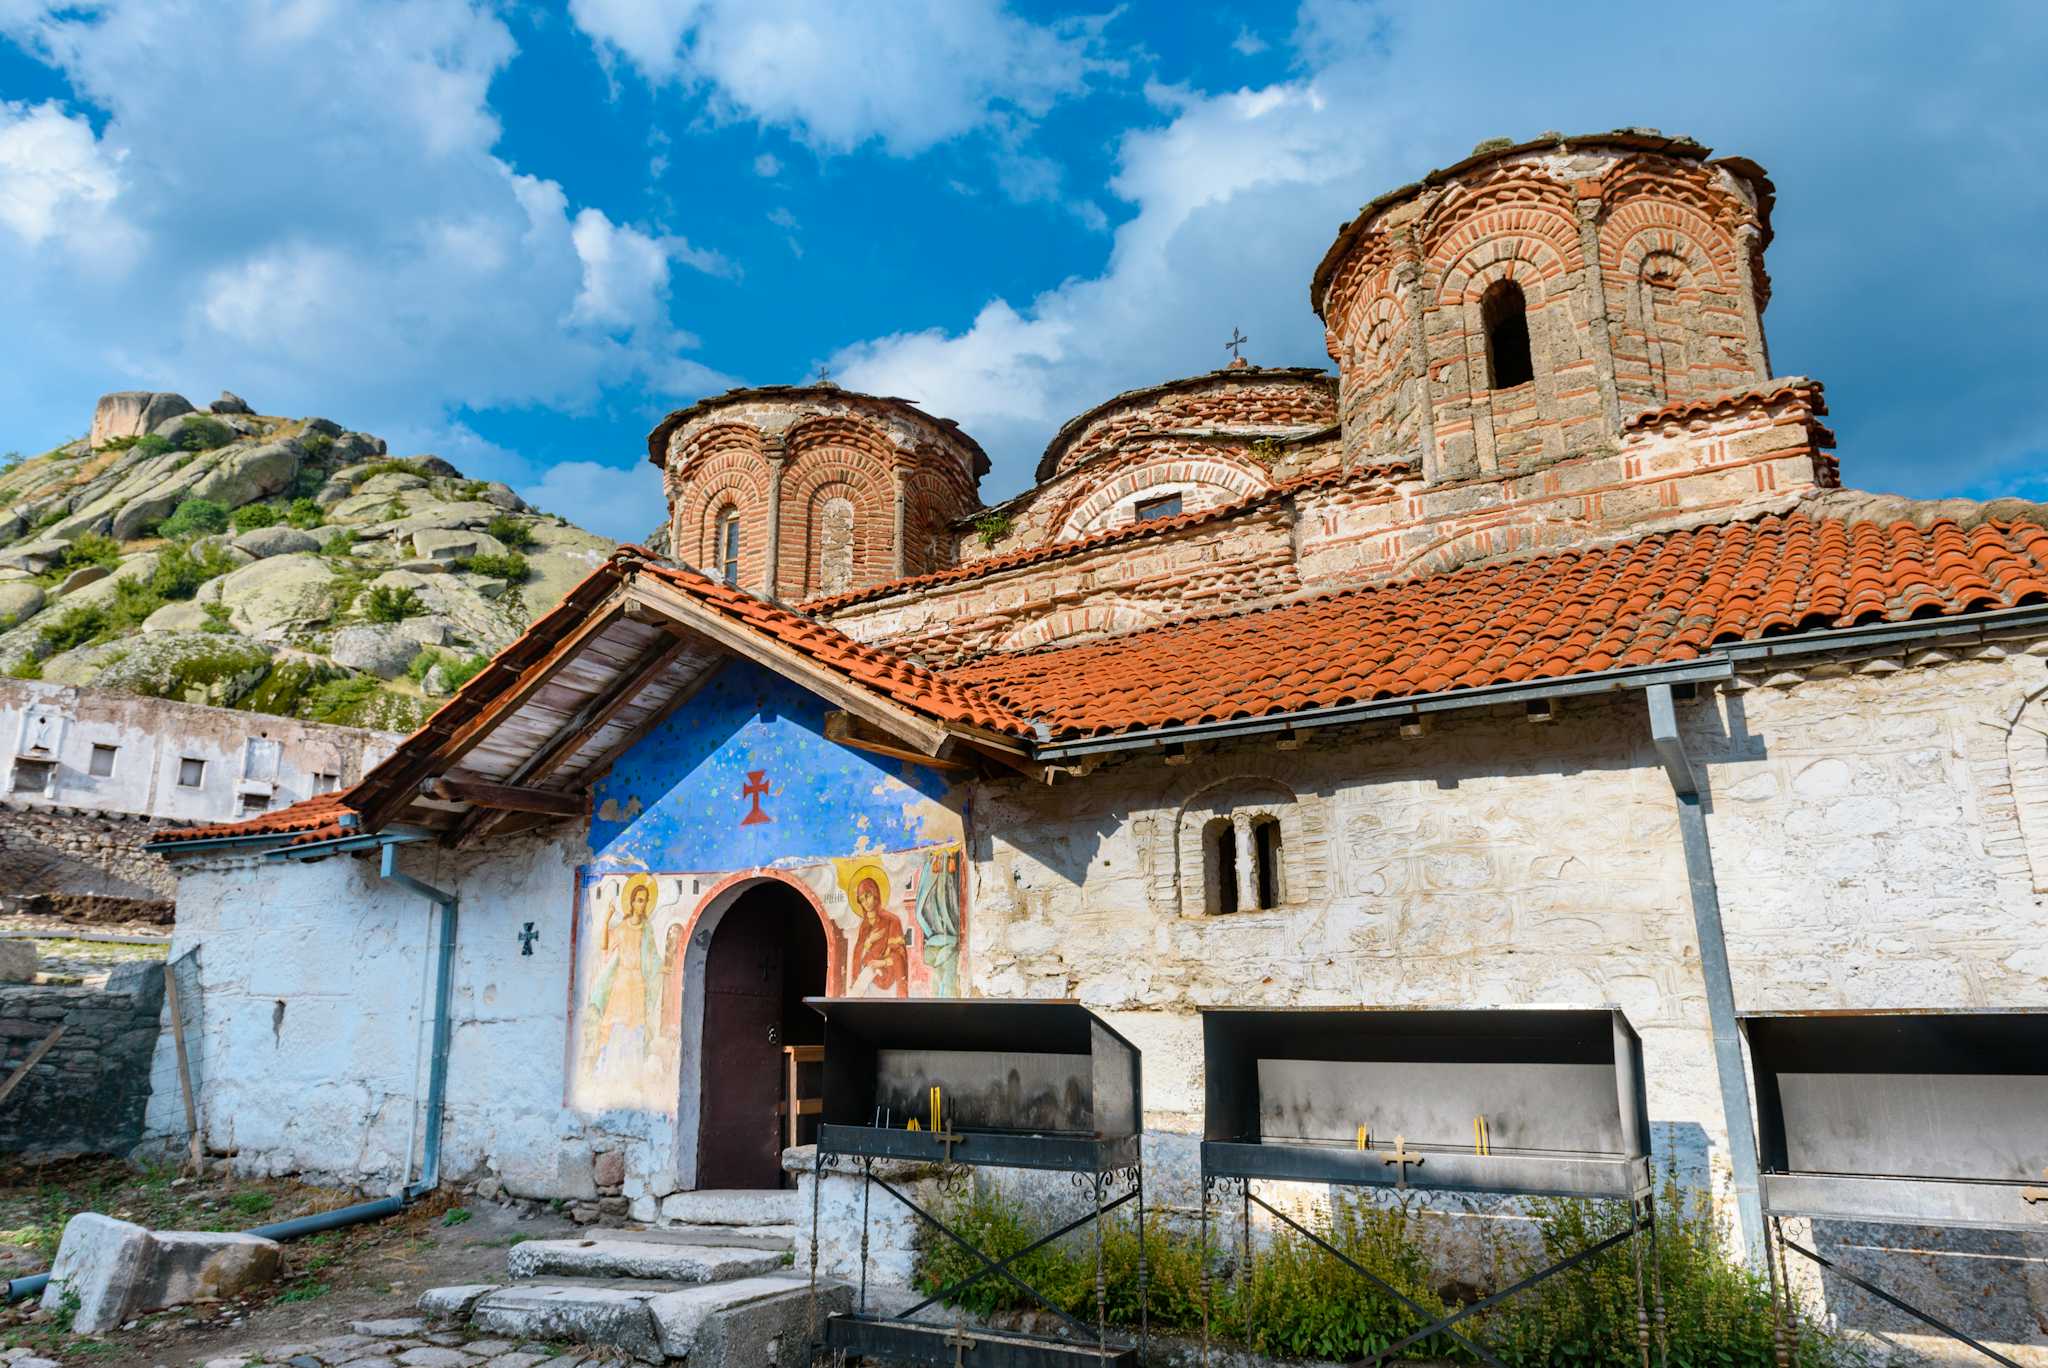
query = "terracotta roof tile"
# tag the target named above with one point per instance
(1660, 599)
(311, 819)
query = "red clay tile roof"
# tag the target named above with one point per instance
(1053, 550)
(896, 677)
(1659, 599)
(311, 819)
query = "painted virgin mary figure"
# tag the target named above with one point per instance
(938, 917)
(624, 999)
(880, 962)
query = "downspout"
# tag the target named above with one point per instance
(1720, 985)
(444, 974)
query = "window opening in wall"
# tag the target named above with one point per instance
(191, 772)
(323, 783)
(1165, 506)
(33, 776)
(103, 761)
(1266, 860)
(259, 759)
(253, 803)
(1219, 855)
(729, 546)
(1504, 313)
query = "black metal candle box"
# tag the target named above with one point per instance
(1931, 1118)
(1532, 1102)
(989, 1083)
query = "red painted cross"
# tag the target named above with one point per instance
(756, 787)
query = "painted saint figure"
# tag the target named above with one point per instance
(672, 982)
(624, 997)
(881, 957)
(938, 917)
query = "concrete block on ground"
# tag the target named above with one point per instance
(454, 1303)
(732, 1207)
(587, 1315)
(391, 1327)
(205, 1265)
(609, 1258)
(744, 1324)
(776, 1237)
(100, 1263)
(17, 961)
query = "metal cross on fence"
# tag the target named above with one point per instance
(2031, 1195)
(1235, 346)
(1401, 1157)
(947, 1139)
(527, 938)
(959, 1341)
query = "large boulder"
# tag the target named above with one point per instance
(195, 430)
(270, 598)
(144, 510)
(264, 542)
(248, 474)
(229, 402)
(20, 600)
(217, 668)
(182, 615)
(109, 1270)
(36, 556)
(82, 576)
(131, 413)
(382, 649)
(447, 544)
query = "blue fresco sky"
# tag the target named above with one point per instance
(517, 234)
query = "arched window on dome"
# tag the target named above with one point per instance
(728, 548)
(1504, 313)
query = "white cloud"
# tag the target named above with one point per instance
(1248, 44)
(57, 182)
(782, 218)
(626, 504)
(768, 166)
(331, 230)
(839, 73)
(1238, 193)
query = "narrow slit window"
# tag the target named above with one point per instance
(1504, 313)
(1166, 506)
(1219, 850)
(729, 546)
(1266, 860)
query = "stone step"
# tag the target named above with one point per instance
(776, 1237)
(757, 1322)
(608, 1256)
(732, 1207)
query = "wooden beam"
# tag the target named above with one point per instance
(507, 797)
(35, 1057)
(594, 717)
(848, 730)
(924, 733)
(466, 737)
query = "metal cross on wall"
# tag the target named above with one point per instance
(527, 938)
(2033, 1195)
(1401, 1157)
(1235, 346)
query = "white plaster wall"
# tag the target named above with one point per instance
(327, 1086)
(151, 736)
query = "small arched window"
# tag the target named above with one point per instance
(1219, 866)
(835, 545)
(1266, 861)
(729, 546)
(1504, 314)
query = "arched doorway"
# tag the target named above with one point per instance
(756, 953)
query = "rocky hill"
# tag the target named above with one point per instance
(285, 565)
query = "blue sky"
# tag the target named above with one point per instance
(517, 234)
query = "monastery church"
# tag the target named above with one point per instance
(1535, 656)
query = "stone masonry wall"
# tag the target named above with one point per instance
(87, 1095)
(73, 851)
(1869, 835)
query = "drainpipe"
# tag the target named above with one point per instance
(1706, 916)
(444, 973)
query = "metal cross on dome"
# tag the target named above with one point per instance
(1235, 346)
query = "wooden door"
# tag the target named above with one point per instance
(740, 1144)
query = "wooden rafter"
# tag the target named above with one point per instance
(578, 732)
(848, 730)
(505, 797)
